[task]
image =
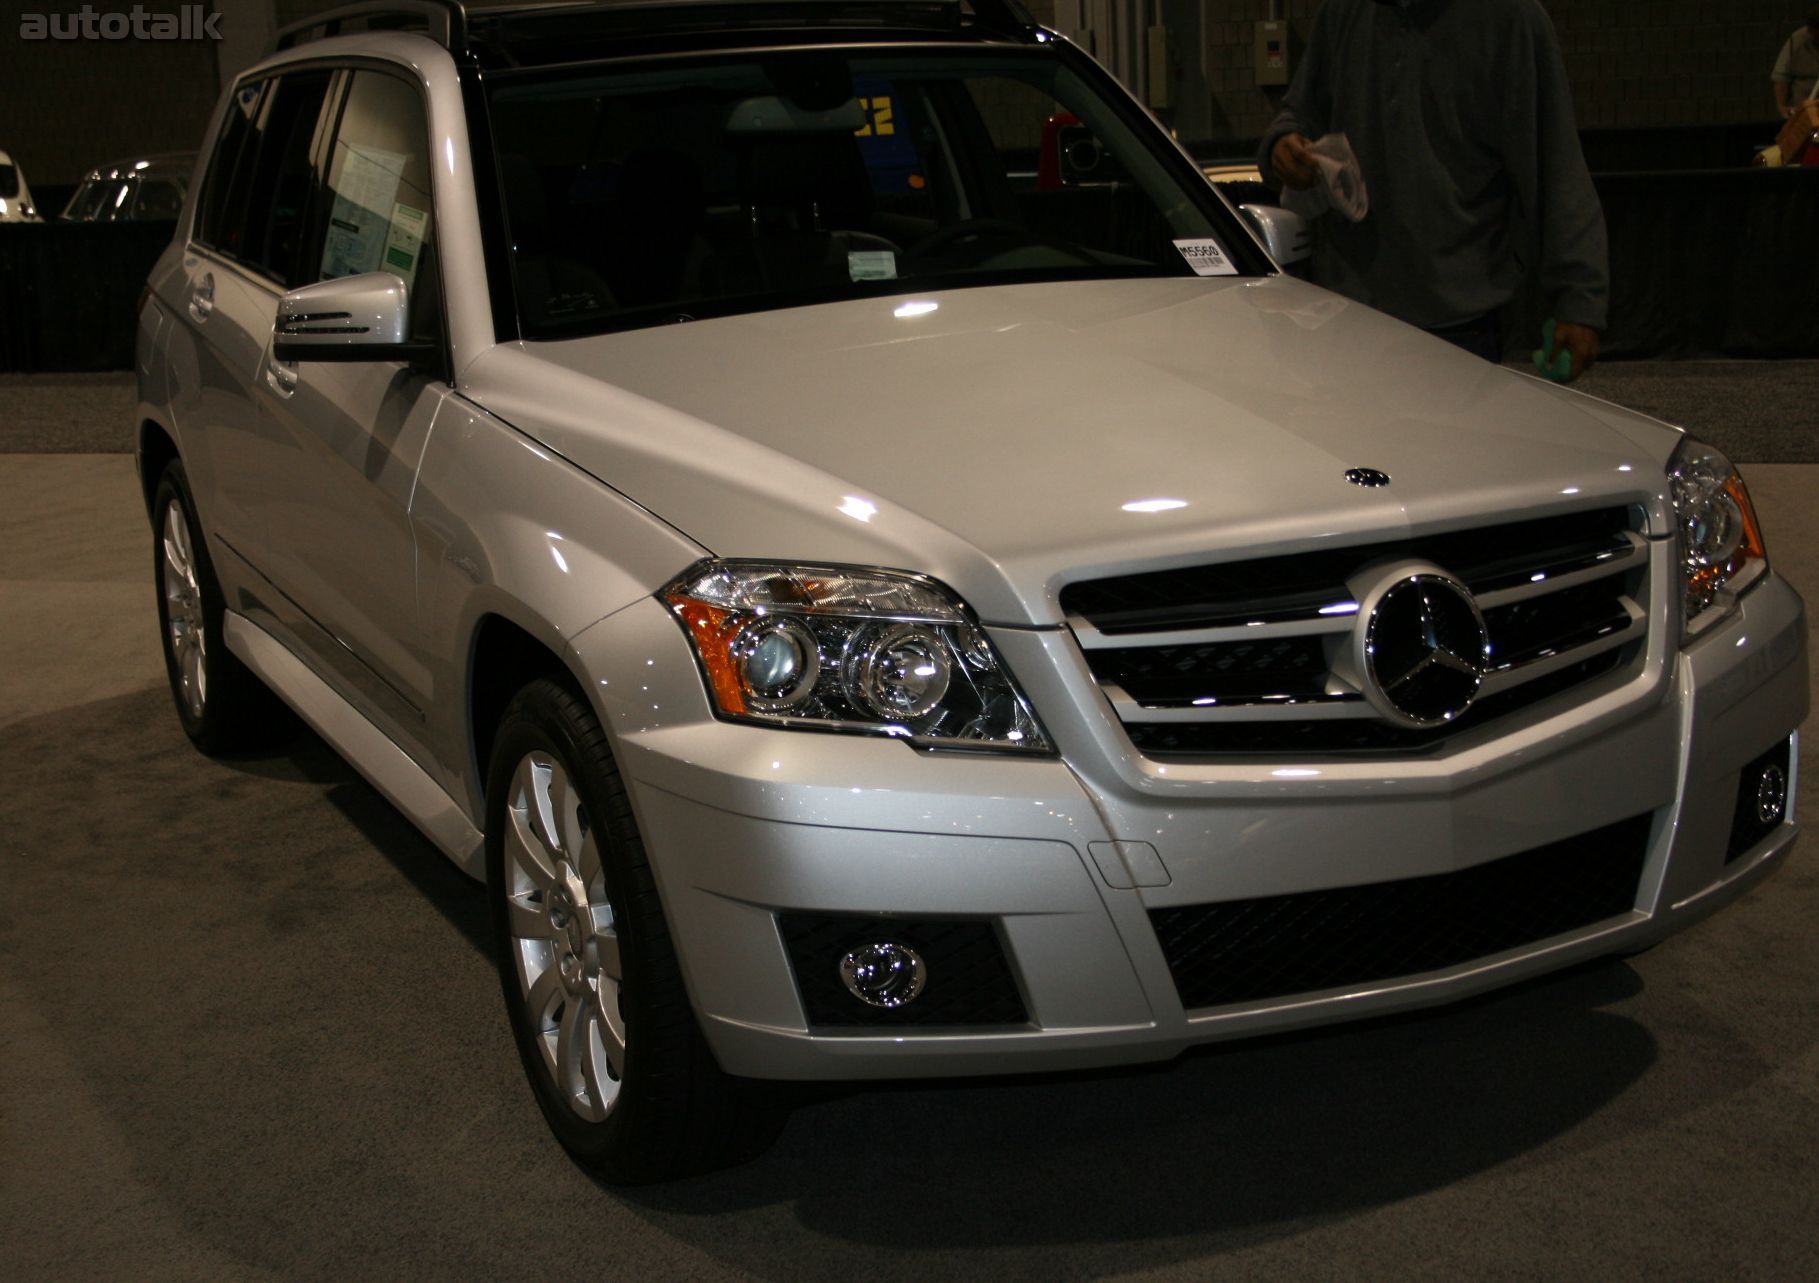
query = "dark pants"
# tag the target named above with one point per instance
(1481, 337)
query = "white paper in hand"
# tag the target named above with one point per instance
(1341, 186)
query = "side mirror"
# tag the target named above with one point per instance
(354, 318)
(1285, 234)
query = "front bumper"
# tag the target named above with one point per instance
(747, 826)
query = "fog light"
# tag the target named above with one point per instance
(1771, 794)
(883, 974)
(1763, 804)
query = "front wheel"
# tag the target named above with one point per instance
(591, 982)
(222, 705)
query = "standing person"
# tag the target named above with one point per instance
(1462, 121)
(1796, 67)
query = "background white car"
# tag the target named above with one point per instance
(143, 189)
(15, 195)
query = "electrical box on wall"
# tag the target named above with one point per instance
(1272, 53)
(1157, 62)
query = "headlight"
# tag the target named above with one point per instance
(1720, 543)
(873, 651)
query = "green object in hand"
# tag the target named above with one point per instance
(1560, 369)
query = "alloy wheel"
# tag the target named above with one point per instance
(564, 938)
(183, 622)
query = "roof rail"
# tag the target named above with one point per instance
(1005, 15)
(539, 33)
(445, 21)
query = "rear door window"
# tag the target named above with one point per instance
(262, 178)
(218, 213)
(284, 179)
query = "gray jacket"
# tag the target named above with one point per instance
(1462, 120)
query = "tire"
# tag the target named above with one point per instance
(589, 973)
(224, 708)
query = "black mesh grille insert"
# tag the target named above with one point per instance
(1302, 739)
(1543, 626)
(1230, 670)
(968, 980)
(1247, 950)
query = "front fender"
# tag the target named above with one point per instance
(507, 528)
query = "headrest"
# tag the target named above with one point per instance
(774, 115)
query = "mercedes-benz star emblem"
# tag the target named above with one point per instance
(1367, 477)
(1426, 650)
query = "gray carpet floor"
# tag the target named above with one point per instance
(249, 1030)
(66, 413)
(1755, 411)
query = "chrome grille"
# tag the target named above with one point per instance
(1239, 658)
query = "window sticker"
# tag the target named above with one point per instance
(871, 265)
(359, 224)
(405, 239)
(1206, 257)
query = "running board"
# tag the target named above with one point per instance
(386, 767)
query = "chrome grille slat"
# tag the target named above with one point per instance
(1091, 638)
(1261, 710)
(1572, 611)
(1616, 562)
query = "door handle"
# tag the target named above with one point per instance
(202, 298)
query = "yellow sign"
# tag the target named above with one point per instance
(879, 122)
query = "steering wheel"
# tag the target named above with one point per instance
(970, 229)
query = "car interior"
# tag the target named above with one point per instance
(657, 197)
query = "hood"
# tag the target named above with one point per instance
(1011, 439)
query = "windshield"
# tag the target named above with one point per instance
(9, 181)
(699, 188)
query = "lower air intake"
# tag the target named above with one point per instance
(1248, 950)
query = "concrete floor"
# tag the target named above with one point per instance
(248, 1029)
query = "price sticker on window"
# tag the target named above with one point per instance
(1207, 258)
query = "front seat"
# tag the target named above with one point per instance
(552, 287)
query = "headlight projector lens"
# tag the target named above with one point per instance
(1711, 523)
(897, 672)
(778, 662)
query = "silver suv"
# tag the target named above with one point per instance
(831, 517)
